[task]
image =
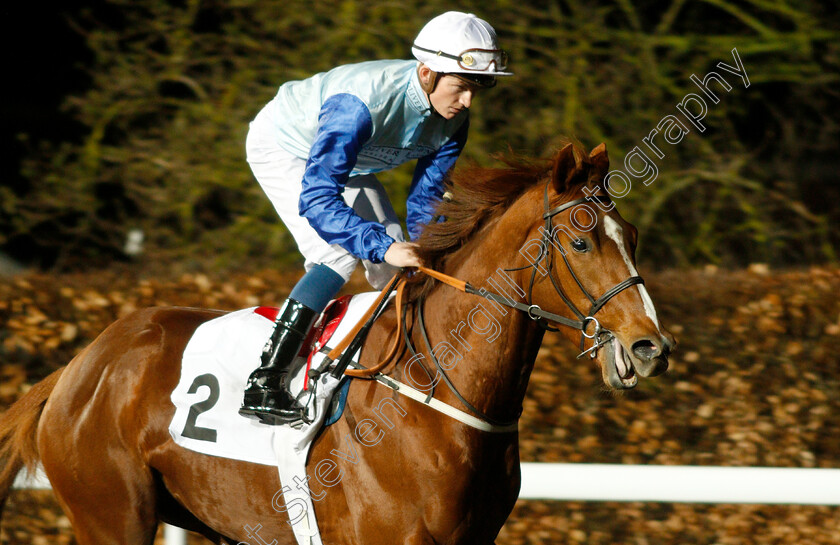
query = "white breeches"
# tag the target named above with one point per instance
(280, 173)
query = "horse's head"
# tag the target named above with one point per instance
(584, 270)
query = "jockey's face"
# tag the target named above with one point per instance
(451, 95)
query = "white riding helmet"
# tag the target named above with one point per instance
(461, 43)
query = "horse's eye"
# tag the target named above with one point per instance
(580, 245)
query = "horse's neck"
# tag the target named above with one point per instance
(497, 344)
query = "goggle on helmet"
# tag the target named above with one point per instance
(480, 59)
(477, 65)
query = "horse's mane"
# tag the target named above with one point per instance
(476, 195)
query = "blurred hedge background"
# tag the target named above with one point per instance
(155, 99)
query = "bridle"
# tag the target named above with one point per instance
(599, 335)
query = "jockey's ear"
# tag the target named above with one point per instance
(569, 168)
(600, 162)
(428, 78)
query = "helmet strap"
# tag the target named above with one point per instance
(430, 87)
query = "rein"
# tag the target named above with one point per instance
(347, 348)
(599, 335)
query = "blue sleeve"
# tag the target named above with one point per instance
(344, 125)
(427, 186)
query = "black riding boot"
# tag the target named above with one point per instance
(267, 394)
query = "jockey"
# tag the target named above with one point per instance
(314, 150)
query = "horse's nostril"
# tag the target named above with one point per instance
(645, 350)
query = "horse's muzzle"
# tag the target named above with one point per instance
(650, 356)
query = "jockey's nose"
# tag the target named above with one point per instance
(466, 98)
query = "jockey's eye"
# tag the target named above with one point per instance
(580, 245)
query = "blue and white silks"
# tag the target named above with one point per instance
(361, 119)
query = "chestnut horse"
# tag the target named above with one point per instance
(99, 425)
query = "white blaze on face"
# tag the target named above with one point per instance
(614, 231)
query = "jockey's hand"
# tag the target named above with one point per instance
(401, 254)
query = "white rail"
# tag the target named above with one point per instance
(681, 484)
(609, 482)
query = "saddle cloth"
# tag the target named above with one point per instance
(215, 367)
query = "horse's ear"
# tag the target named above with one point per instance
(600, 161)
(569, 168)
